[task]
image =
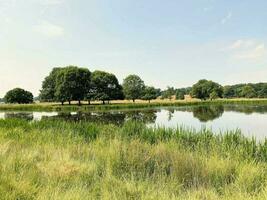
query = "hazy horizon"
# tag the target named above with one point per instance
(174, 43)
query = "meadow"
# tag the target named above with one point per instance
(55, 159)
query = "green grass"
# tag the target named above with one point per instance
(67, 160)
(127, 105)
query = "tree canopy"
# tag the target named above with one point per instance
(47, 93)
(18, 95)
(72, 83)
(150, 93)
(133, 87)
(168, 93)
(205, 89)
(104, 87)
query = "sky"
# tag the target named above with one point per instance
(167, 43)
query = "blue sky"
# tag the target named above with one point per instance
(172, 42)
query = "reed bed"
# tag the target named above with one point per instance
(53, 159)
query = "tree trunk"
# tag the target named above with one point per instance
(89, 102)
(79, 102)
(149, 101)
(103, 102)
(134, 100)
(69, 102)
(62, 103)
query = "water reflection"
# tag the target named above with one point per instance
(205, 113)
(248, 118)
(23, 115)
(202, 113)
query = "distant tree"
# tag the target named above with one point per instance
(263, 92)
(158, 90)
(181, 92)
(72, 83)
(133, 87)
(228, 92)
(105, 87)
(168, 93)
(149, 93)
(203, 89)
(18, 95)
(248, 92)
(47, 93)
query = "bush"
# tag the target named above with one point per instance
(18, 95)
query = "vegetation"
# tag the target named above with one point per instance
(48, 91)
(180, 93)
(150, 93)
(127, 105)
(205, 89)
(250, 90)
(19, 96)
(133, 87)
(104, 87)
(73, 83)
(65, 160)
(168, 93)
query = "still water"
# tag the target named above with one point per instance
(251, 120)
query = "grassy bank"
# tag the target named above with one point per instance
(67, 160)
(124, 105)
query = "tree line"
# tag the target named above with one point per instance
(73, 83)
(79, 84)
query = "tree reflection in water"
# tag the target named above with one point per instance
(112, 117)
(19, 115)
(208, 113)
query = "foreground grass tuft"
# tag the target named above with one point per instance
(67, 160)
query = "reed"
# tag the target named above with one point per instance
(53, 159)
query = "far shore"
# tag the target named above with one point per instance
(122, 104)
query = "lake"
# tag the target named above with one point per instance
(251, 120)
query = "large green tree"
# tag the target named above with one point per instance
(104, 87)
(47, 93)
(205, 89)
(18, 95)
(133, 87)
(150, 93)
(72, 83)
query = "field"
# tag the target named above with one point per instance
(125, 104)
(67, 160)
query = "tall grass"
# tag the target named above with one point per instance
(68, 160)
(114, 105)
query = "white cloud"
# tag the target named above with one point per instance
(247, 50)
(48, 29)
(242, 44)
(253, 76)
(255, 53)
(226, 18)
